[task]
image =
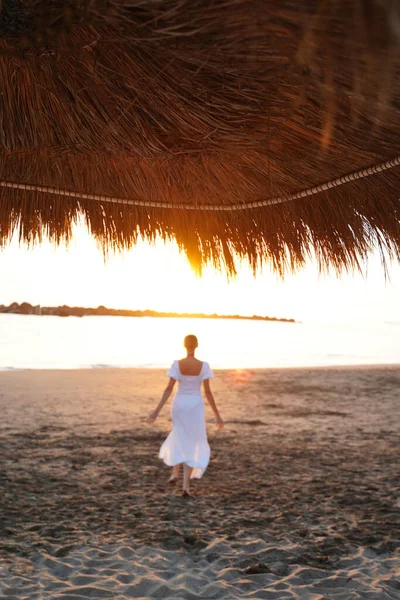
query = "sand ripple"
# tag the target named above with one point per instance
(219, 570)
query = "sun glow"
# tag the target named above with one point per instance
(158, 277)
(239, 376)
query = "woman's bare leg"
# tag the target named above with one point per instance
(186, 478)
(175, 473)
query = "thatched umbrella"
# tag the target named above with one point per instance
(263, 128)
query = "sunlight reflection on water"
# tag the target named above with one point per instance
(98, 342)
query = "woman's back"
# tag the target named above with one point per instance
(190, 376)
(190, 366)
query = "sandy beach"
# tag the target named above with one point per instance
(301, 499)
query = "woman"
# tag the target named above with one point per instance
(187, 443)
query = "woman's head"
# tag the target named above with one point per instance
(190, 342)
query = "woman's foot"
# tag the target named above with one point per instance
(174, 475)
(186, 494)
(187, 471)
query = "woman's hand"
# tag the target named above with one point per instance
(219, 422)
(152, 417)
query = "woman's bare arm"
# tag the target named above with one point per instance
(211, 401)
(166, 394)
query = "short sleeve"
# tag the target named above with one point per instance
(206, 373)
(173, 371)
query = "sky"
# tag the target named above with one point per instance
(159, 278)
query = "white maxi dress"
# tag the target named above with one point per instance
(187, 442)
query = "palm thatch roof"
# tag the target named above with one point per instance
(268, 129)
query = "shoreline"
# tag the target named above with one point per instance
(358, 366)
(81, 312)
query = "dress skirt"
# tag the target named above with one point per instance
(187, 442)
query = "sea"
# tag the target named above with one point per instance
(91, 342)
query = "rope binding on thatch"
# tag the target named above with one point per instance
(362, 173)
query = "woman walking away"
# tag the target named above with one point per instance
(187, 443)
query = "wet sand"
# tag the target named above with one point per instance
(301, 498)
